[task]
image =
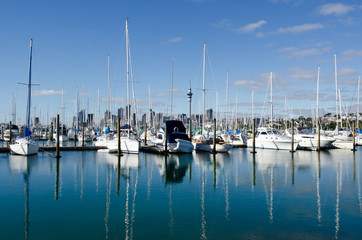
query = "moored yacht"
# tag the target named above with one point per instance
(177, 139)
(270, 138)
(308, 140)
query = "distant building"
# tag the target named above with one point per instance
(209, 115)
(90, 120)
(121, 113)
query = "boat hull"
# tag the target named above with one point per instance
(205, 147)
(127, 145)
(24, 147)
(273, 144)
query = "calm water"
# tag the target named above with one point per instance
(92, 195)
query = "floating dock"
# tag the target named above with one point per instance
(53, 149)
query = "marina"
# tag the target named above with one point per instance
(193, 119)
(270, 194)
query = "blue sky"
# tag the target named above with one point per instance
(248, 39)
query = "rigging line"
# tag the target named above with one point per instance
(263, 109)
(354, 92)
(212, 73)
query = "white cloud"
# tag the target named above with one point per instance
(336, 9)
(352, 53)
(175, 40)
(298, 73)
(296, 52)
(224, 23)
(347, 72)
(244, 82)
(300, 28)
(252, 26)
(45, 92)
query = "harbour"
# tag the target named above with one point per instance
(270, 194)
(191, 119)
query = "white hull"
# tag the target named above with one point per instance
(127, 145)
(343, 144)
(273, 144)
(182, 146)
(312, 144)
(62, 138)
(205, 147)
(24, 146)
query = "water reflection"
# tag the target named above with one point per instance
(173, 167)
(309, 190)
(22, 164)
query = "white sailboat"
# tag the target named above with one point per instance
(307, 140)
(25, 145)
(128, 144)
(269, 138)
(201, 142)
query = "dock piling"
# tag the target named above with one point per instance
(82, 134)
(292, 142)
(214, 138)
(253, 152)
(57, 149)
(166, 138)
(354, 138)
(10, 133)
(119, 137)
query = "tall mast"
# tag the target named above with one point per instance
(98, 110)
(150, 106)
(173, 61)
(77, 108)
(317, 105)
(252, 104)
(28, 105)
(203, 88)
(340, 104)
(13, 114)
(108, 95)
(359, 81)
(227, 98)
(271, 99)
(83, 105)
(62, 107)
(336, 81)
(127, 53)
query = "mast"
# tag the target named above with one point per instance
(62, 110)
(108, 96)
(227, 98)
(252, 104)
(340, 105)
(83, 120)
(173, 61)
(28, 105)
(77, 106)
(271, 99)
(317, 106)
(203, 89)
(127, 54)
(98, 111)
(336, 81)
(359, 81)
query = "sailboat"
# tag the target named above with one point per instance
(128, 144)
(25, 145)
(200, 141)
(268, 137)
